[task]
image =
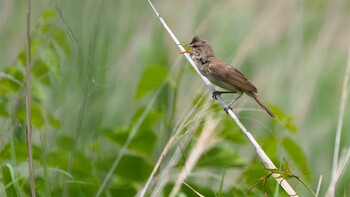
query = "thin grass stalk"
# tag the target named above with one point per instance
(262, 155)
(85, 93)
(172, 140)
(164, 177)
(28, 104)
(205, 141)
(187, 126)
(319, 185)
(335, 167)
(132, 135)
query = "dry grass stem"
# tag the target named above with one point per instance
(262, 155)
(205, 141)
(336, 169)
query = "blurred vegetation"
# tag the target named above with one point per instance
(109, 89)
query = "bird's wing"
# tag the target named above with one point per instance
(231, 76)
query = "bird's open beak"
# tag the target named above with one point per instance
(187, 51)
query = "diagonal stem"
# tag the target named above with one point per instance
(262, 155)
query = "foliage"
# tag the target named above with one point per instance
(106, 84)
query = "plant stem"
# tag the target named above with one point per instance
(28, 105)
(260, 152)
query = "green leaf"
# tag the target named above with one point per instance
(297, 155)
(20, 148)
(133, 168)
(40, 71)
(37, 115)
(143, 143)
(152, 118)
(13, 71)
(3, 106)
(286, 120)
(95, 146)
(36, 45)
(51, 59)
(22, 58)
(7, 178)
(83, 165)
(61, 39)
(230, 130)
(46, 22)
(126, 189)
(7, 85)
(38, 93)
(253, 173)
(64, 143)
(222, 155)
(48, 13)
(152, 78)
(54, 122)
(145, 140)
(269, 144)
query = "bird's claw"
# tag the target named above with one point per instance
(227, 108)
(215, 94)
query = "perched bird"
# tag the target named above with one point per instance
(221, 74)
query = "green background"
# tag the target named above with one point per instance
(105, 72)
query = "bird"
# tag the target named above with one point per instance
(221, 74)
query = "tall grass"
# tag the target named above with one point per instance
(294, 51)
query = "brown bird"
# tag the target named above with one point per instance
(222, 74)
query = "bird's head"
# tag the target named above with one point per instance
(199, 47)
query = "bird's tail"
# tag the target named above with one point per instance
(256, 98)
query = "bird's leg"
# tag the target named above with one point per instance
(216, 93)
(235, 99)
